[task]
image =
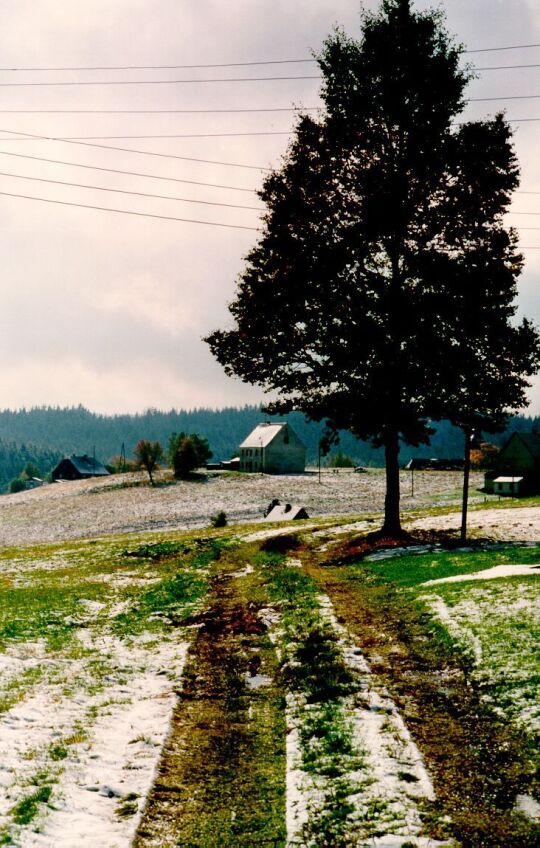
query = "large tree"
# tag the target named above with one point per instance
(350, 305)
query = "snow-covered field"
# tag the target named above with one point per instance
(126, 503)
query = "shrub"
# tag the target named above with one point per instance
(17, 485)
(187, 453)
(219, 519)
(341, 460)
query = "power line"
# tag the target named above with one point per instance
(130, 150)
(192, 81)
(155, 111)
(508, 47)
(124, 173)
(232, 111)
(226, 111)
(506, 67)
(134, 193)
(508, 97)
(167, 67)
(154, 82)
(129, 212)
(166, 135)
(222, 64)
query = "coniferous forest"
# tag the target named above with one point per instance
(43, 435)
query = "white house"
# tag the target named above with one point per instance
(273, 449)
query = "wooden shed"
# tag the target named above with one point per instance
(273, 449)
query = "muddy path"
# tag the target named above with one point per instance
(221, 780)
(477, 762)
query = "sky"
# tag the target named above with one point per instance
(108, 310)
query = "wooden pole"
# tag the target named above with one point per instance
(466, 472)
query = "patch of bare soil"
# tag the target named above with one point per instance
(221, 780)
(477, 762)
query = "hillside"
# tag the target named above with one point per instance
(127, 503)
(43, 434)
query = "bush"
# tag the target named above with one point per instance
(187, 453)
(17, 485)
(219, 519)
(341, 460)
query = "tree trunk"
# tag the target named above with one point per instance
(392, 523)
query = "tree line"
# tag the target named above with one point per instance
(44, 435)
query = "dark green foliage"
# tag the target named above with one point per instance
(318, 667)
(17, 485)
(187, 452)
(148, 456)
(185, 458)
(63, 431)
(19, 454)
(384, 256)
(340, 460)
(219, 519)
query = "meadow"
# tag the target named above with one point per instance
(282, 686)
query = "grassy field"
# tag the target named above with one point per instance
(215, 688)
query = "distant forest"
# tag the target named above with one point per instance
(44, 434)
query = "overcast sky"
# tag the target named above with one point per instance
(108, 310)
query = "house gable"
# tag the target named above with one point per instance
(273, 449)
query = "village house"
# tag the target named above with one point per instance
(273, 449)
(516, 470)
(79, 468)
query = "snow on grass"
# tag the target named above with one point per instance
(88, 668)
(92, 733)
(353, 771)
(496, 625)
(126, 503)
(524, 570)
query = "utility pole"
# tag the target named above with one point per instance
(466, 471)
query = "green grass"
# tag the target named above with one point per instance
(314, 670)
(497, 622)
(409, 570)
(26, 810)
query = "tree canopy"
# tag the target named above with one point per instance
(380, 294)
(148, 455)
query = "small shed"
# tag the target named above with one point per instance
(507, 485)
(79, 468)
(286, 512)
(273, 449)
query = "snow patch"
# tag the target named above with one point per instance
(490, 574)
